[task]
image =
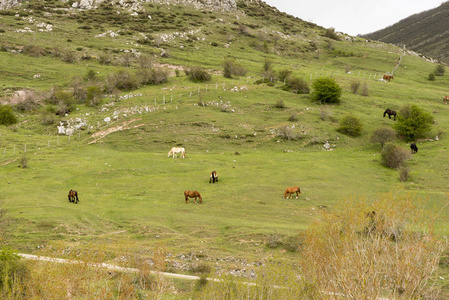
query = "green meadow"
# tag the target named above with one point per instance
(131, 193)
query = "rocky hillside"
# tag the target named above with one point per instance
(227, 5)
(426, 33)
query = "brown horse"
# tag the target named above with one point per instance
(390, 113)
(73, 196)
(213, 177)
(192, 194)
(445, 99)
(291, 190)
(388, 77)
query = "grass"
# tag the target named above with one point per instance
(131, 193)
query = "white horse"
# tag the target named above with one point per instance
(175, 150)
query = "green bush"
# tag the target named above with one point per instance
(7, 117)
(326, 90)
(153, 76)
(413, 122)
(439, 70)
(431, 77)
(13, 275)
(351, 126)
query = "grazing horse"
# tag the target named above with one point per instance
(175, 150)
(73, 196)
(414, 148)
(445, 99)
(213, 177)
(192, 194)
(387, 77)
(390, 113)
(291, 190)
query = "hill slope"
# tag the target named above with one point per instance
(257, 134)
(426, 33)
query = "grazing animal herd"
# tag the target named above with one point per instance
(73, 195)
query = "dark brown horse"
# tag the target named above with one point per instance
(390, 113)
(213, 177)
(73, 196)
(192, 194)
(414, 148)
(291, 190)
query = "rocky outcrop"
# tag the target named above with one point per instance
(6, 4)
(227, 5)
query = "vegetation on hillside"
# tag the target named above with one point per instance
(265, 99)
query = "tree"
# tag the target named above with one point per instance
(413, 122)
(7, 117)
(351, 126)
(231, 68)
(326, 90)
(383, 135)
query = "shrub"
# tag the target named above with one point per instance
(330, 33)
(145, 61)
(391, 253)
(68, 56)
(33, 50)
(365, 89)
(198, 74)
(280, 104)
(231, 69)
(355, 85)
(394, 156)
(7, 117)
(13, 275)
(284, 74)
(293, 118)
(297, 85)
(29, 102)
(326, 90)
(325, 112)
(413, 122)
(383, 135)
(153, 76)
(124, 80)
(431, 77)
(23, 161)
(287, 133)
(439, 70)
(93, 95)
(351, 126)
(403, 172)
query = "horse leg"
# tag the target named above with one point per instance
(297, 195)
(195, 200)
(187, 199)
(77, 200)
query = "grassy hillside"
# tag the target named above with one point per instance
(423, 33)
(258, 137)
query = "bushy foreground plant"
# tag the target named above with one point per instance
(197, 74)
(386, 249)
(326, 90)
(383, 135)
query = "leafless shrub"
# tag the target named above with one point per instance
(153, 76)
(33, 50)
(355, 85)
(394, 156)
(68, 56)
(325, 112)
(365, 89)
(23, 162)
(145, 61)
(404, 172)
(27, 101)
(372, 251)
(287, 133)
(126, 59)
(105, 58)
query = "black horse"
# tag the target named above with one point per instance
(213, 177)
(73, 196)
(414, 148)
(390, 113)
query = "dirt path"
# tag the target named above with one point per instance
(106, 266)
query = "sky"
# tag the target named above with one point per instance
(354, 16)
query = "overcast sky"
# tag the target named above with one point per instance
(354, 16)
